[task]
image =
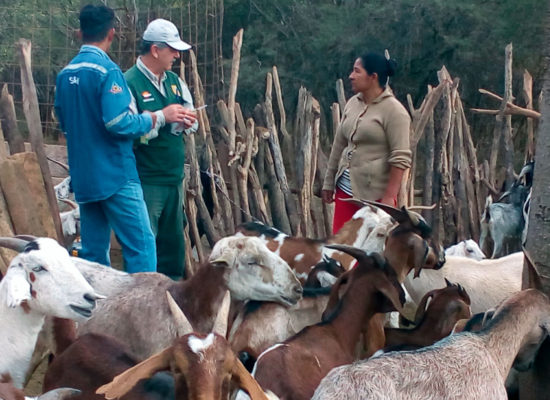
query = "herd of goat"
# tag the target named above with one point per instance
(378, 311)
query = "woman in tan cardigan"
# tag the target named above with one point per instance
(371, 148)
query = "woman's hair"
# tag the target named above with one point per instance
(374, 62)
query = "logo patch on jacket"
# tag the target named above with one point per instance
(176, 90)
(115, 89)
(147, 96)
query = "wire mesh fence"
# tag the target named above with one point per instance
(52, 28)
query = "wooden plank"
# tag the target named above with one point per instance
(9, 122)
(25, 194)
(32, 115)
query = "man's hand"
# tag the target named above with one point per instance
(327, 196)
(174, 113)
(190, 118)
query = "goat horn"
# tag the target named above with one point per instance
(62, 165)
(183, 325)
(220, 324)
(14, 243)
(395, 213)
(418, 208)
(449, 283)
(71, 203)
(58, 394)
(28, 238)
(356, 253)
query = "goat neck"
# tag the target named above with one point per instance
(201, 295)
(513, 324)
(20, 328)
(356, 307)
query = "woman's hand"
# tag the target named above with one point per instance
(327, 196)
(390, 201)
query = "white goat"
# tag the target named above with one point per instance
(40, 281)
(243, 265)
(465, 366)
(488, 282)
(466, 248)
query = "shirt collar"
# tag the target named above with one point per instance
(386, 93)
(150, 75)
(89, 48)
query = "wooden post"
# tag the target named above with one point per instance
(278, 159)
(32, 115)
(9, 122)
(237, 44)
(528, 96)
(507, 126)
(340, 94)
(222, 208)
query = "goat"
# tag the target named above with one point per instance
(488, 282)
(435, 320)
(241, 264)
(294, 368)
(63, 189)
(323, 275)
(92, 360)
(465, 366)
(10, 392)
(41, 280)
(466, 248)
(257, 329)
(70, 222)
(503, 224)
(204, 365)
(302, 254)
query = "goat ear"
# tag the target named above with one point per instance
(420, 250)
(17, 286)
(392, 295)
(246, 382)
(220, 324)
(58, 394)
(124, 382)
(334, 297)
(421, 310)
(183, 325)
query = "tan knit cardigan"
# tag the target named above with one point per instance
(370, 138)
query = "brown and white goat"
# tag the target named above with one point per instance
(257, 329)
(241, 265)
(435, 320)
(10, 392)
(465, 366)
(302, 254)
(294, 368)
(204, 365)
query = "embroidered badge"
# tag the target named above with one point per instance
(175, 90)
(147, 96)
(115, 89)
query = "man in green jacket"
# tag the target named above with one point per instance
(160, 154)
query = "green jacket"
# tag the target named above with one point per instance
(161, 160)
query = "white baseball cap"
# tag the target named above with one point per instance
(161, 30)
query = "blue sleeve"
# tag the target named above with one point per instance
(115, 105)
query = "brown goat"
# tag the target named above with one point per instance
(93, 360)
(293, 369)
(204, 364)
(447, 306)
